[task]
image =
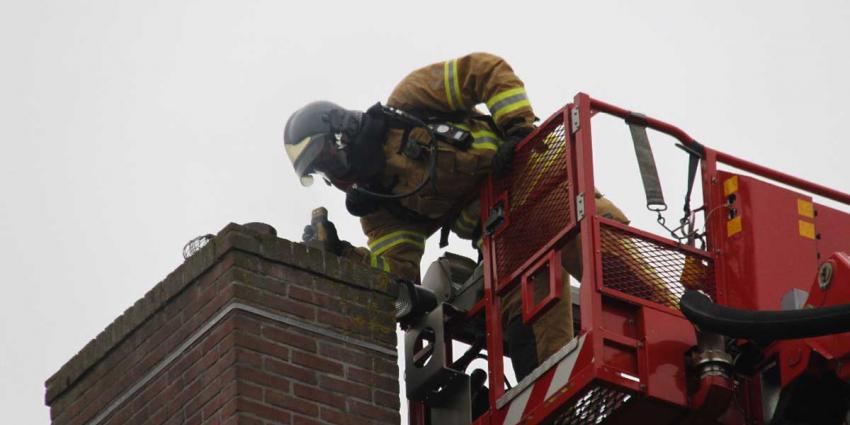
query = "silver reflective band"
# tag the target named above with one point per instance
(508, 101)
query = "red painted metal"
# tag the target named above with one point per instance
(766, 255)
(536, 199)
(652, 123)
(780, 177)
(794, 355)
(833, 230)
(667, 340)
(633, 360)
(531, 308)
(493, 311)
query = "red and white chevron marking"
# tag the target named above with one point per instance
(547, 385)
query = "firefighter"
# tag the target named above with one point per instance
(412, 169)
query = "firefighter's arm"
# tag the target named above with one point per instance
(461, 84)
(395, 245)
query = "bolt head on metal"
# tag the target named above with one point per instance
(825, 275)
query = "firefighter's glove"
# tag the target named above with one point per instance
(501, 162)
(322, 235)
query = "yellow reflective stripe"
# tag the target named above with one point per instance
(396, 234)
(510, 108)
(393, 239)
(460, 227)
(457, 85)
(484, 133)
(395, 243)
(504, 95)
(507, 101)
(468, 217)
(465, 222)
(463, 225)
(451, 83)
(485, 146)
(476, 134)
(448, 85)
(485, 140)
(379, 263)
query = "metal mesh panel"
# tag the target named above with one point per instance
(538, 198)
(644, 268)
(593, 406)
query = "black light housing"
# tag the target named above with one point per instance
(412, 303)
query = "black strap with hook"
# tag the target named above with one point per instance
(652, 184)
(695, 152)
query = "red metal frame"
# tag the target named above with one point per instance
(531, 310)
(631, 346)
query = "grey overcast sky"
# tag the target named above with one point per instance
(130, 127)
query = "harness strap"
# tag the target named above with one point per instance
(693, 162)
(695, 152)
(646, 163)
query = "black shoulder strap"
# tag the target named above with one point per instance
(695, 153)
(430, 117)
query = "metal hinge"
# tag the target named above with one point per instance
(574, 119)
(495, 219)
(579, 207)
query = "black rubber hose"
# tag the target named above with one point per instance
(764, 326)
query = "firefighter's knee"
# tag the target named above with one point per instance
(571, 257)
(607, 209)
(554, 328)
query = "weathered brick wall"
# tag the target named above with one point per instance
(250, 330)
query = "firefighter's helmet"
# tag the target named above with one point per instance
(316, 137)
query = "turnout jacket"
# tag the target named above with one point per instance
(396, 243)
(456, 88)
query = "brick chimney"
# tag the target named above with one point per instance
(251, 329)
